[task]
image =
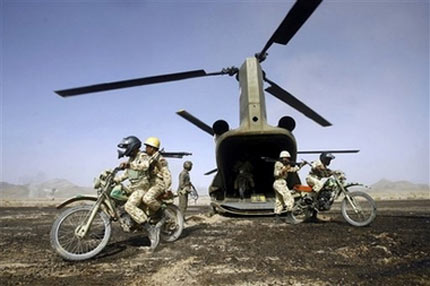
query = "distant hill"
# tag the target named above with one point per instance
(61, 188)
(399, 186)
(400, 190)
(11, 191)
(55, 188)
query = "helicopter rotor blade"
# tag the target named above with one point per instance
(327, 151)
(197, 122)
(292, 22)
(211, 172)
(134, 82)
(291, 100)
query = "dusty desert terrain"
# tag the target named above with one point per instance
(217, 250)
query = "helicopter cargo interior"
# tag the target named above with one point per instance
(237, 150)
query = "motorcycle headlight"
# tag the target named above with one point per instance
(100, 181)
(97, 183)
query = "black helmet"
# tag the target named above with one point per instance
(128, 146)
(325, 158)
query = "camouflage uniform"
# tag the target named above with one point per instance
(184, 188)
(137, 174)
(318, 175)
(160, 180)
(244, 180)
(283, 195)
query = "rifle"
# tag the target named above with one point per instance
(178, 155)
(156, 156)
(271, 160)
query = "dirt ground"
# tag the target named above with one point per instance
(217, 250)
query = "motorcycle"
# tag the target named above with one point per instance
(357, 208)
(83, 231)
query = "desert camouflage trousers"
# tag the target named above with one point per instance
(132, 206)
(283, 196)
(183, 202)
(150, 197)
(315, 183)
(141, 194)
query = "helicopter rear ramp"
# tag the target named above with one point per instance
(245, 207)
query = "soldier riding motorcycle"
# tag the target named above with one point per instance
(82, 232)
(358, 208)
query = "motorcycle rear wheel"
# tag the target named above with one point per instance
(66, 243)
(173, 226)
(299, 214)
(361, 212)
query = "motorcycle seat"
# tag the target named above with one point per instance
(302, 188)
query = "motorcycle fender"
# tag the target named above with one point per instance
(76, 199)
(355, 184)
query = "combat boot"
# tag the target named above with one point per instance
(278, 219)
(153, 234)
(288, 218)
(157, 216)
(313, 217)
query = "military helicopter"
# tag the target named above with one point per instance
(254, 139)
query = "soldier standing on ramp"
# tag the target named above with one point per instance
(185, 187)
(283, 194)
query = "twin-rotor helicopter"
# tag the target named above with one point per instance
(254, 139)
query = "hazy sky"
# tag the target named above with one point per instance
(363, 65)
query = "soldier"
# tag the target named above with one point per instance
(160, 179)
(244, 181)
(283, 195)
(320, 172)
(185, 187)
(318, 176)
(136, 171)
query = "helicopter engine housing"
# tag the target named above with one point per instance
(220, 126)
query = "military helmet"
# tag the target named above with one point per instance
(325, 158)
(153, 142)
(285, 154)
(188, 165)
(128, 146)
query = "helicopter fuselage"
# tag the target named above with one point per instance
(247, 144)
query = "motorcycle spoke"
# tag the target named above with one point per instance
(358, 209)
(80, 248)
(67, 238)
(69, 243)
(73, 250)
(87, 248)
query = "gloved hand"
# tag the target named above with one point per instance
(124, 165)
(155, 156)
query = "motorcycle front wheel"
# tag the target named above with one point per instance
(360, 210)
(173, 225)
(71, 247)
